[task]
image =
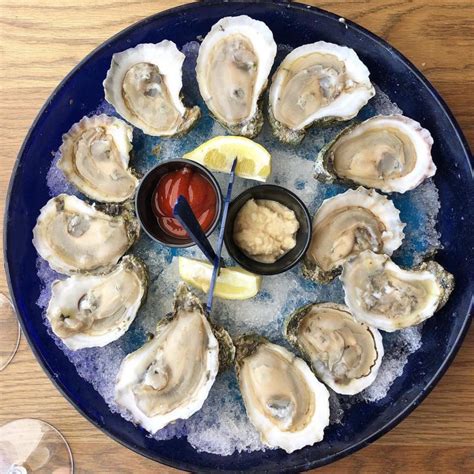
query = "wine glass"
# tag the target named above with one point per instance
(28, 446)
(9, 331)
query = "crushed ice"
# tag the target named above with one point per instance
(221, 426)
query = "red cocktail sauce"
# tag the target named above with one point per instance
(196, 188)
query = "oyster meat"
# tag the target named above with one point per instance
(94, 310)
(347, 224)
(232, 71)
(75, 237)
(169, 378)
(95, 155)
(387, 152)
(344, 353)
(144, 85)
(317, 82)
(284, 400)
(380, 293)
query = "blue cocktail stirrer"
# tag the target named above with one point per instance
(185, 215)
(220, 240)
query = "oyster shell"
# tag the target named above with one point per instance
(169, 377)
(232, 71)
(285, 402)
(144, 85)
(347, 224)
(386, 152)
(94, 310)
(317, 82)
(75, 237)
(95, 155)
(380, 293)
(345, 354)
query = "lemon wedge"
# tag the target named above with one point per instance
(233, 283)
(218, 153)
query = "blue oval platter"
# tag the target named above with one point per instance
(81, 92)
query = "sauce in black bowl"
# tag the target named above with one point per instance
(157, 195)
(303, 236)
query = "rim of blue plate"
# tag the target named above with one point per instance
(441, 104)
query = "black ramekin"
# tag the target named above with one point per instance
(303, 236)
(143, 201)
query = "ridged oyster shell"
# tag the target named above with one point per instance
(234, 61)
(315, 83)
(94, 310)
(344, 353)
(170, 376)
(94, 157)
(345, 225)
(391, 153)
(75, 237)
(380, 293)
(144, 85)
(284, 400)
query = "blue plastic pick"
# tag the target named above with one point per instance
(185, 215)
(220, 240)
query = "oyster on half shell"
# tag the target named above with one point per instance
(144, 85)
(75, 237)
(169, 377)
(344, 353)
(387, 152)
(94, 157)
(284, 400)
(347, 224)
(380, 293)
(94, 310)
(234, 61)
(318, 82)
